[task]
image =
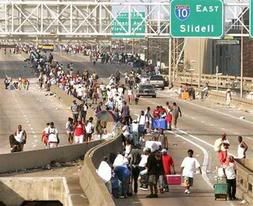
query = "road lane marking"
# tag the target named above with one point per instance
(205, 161)
(212, 110)
(200, 140)
(206, 156)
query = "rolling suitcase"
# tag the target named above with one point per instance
(220, 189)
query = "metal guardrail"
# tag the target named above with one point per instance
(222, 81)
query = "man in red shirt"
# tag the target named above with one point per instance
(168, 163)
(156, 112)
(162, 111)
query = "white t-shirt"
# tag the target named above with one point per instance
(230, 171)
(135, 127)
(142, 119)
(240, 152)
(125, 130)
(190, 164)
(128, 149)
(89, 127)
(129, 92)
(144, 160)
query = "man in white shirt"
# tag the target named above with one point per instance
(188, 167)
(142, 121)
(89, 129)
(230, 174)
(135, 132)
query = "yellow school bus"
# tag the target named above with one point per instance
(46, 47)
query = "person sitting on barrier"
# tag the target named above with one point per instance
(242, 148)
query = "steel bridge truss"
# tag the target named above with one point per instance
(95, 19)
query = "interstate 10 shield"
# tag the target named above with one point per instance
(182, 12)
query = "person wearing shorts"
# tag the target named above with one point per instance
(188, 167)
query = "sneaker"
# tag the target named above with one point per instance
(161, 190)
(144, 188)
(186, 191)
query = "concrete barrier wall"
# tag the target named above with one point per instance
(245, 180)
(235, 100)
(40, 158)
(91, 183)
(13, 191)
(61, 95)
(220, 97)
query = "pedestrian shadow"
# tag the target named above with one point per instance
(130, 201)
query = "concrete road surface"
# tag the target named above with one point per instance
(32, 109)
(199, 127)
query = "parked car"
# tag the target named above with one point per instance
(146, 90)
(157, 81)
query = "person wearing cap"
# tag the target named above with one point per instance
(188, 166)
(168, 164)
(221, 146)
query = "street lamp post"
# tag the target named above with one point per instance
(241, 85)
(170, 62)
(200, 63)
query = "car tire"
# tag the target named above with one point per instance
(162, 88)
(154, 96)
(137, 96)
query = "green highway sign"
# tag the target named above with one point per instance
(129, 27)
(196, 18)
